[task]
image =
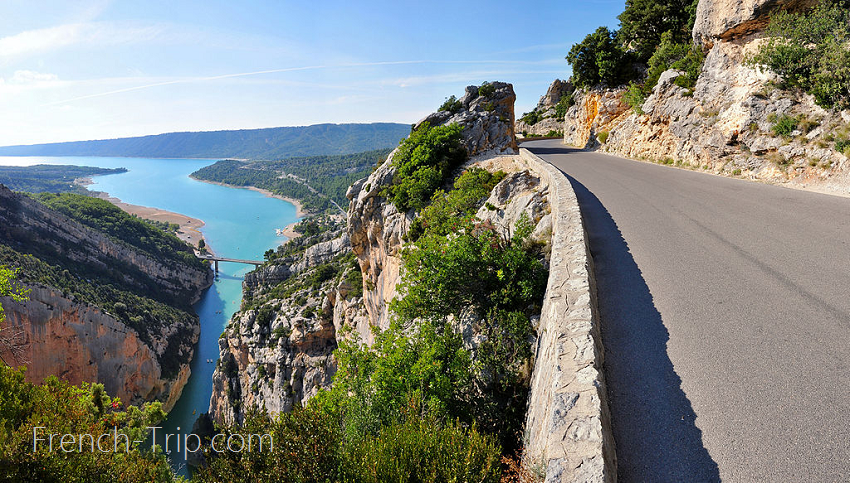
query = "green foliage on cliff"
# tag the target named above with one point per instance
(49, 178)
(105, 217)
(10, 288)
(686, 57)
(452, 104)
(423, 162)
(442, 216)
(809, 51)
(656, 33)
(643, 22)
(330, 176)
(59, 408)
(564, 104)
(375, 386)
(599, 58)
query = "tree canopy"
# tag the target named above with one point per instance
(599, 58)
(643, 22)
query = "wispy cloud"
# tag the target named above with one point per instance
(27, 77)
(53, 38)
(403, 82)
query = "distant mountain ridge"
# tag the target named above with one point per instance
(268, 143)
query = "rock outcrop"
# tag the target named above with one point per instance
(376, 228)
(725, 124)
(545, 114)
(487, 117)
(726, 20)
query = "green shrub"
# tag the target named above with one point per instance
(686, 57)
(784, 125)
(423, 161)
(635, 98)
(531, 118)
(423, 450)
(442, 215)
(486, 89)
(59, 408)
(309, 446)
(564, 104)
(808, 50)
(502, 281)
(603, 136)
(452, 104)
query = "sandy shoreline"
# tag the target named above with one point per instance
(299, 208)
(189, 230)
(289, 231)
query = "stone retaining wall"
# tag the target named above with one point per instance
(568, 427)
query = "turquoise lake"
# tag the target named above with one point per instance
(239, 223)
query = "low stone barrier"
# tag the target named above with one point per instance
(568, 426)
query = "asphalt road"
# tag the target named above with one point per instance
(725, 309)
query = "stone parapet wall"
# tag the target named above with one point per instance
(568, 425)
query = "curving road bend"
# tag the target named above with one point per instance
(725, 309)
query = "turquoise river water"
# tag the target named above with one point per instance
(239, 223)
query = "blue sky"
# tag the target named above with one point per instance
(105, 69)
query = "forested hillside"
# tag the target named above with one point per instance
(271, 143)
(329, 176)
(50, 178)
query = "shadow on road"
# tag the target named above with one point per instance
(653, 421)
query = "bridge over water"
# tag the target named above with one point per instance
(216, 259)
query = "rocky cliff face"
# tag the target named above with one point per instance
(57, 333)
(486, 116)
(548, 120)
(277, 351)
(81, 343)
(376, 228)
(725, 124)
(727, 20)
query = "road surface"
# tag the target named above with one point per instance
(725, 309)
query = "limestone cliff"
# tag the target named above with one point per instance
(277, 351)
(724, 125)
(544, 118)
(73, 327)
(376, 228)
(79, 342)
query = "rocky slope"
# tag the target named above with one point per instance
(139, 353)
(544, 113)
(277, 351)
(725, 125)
